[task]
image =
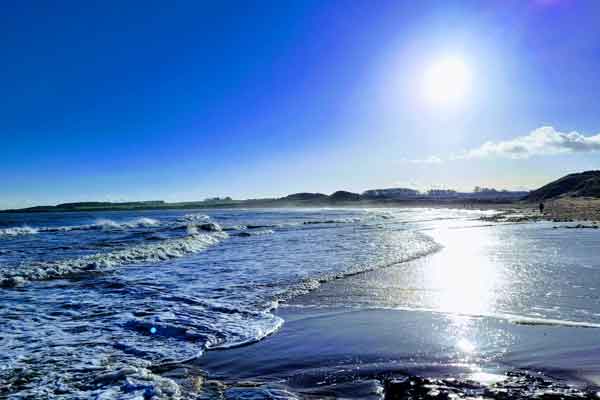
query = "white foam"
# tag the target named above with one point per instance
(246, 332)
(192, 230)
(106, 224)
(256, 233)
(136, 383)
(264, 232)
(110, 224)
(194, 217)
(147, 253)
(144, 221)
(18, 231)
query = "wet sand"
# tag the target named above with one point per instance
(351, 337)
(323, 352)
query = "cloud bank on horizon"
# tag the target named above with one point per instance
(542, 141)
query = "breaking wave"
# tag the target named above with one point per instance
(18, 231)
(194, 218)
(136, 223)
(256, 233)
(102, 224)
(421, 248)
(146, 253)
(106, 224)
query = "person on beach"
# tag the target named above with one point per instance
(541, 208)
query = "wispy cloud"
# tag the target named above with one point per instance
(539, 142)
(428, 160)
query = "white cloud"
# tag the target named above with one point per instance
(541, 141)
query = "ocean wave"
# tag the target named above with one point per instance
(138, 222)
(101, 224)
(18, 231)
(268, 227)
(332, 221)
(224, 330)
(250, 226)
(193, 229)
(106, 224)
(193, 218)
(146, 253)
(120, 381)
(421, 248)
(246, 333)
(256, 233)
(132, 382)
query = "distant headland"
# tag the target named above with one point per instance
(374, 197)
(578, 185)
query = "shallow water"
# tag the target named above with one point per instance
(95, 304)
(538, 273)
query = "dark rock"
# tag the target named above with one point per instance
(258, 226)
(582, 226)
(516, 385)
(12, 281)
(211, 227)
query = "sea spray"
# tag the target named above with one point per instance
(18, 231)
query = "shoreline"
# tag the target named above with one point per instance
(323, 350)
(454, 320)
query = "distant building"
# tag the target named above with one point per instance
(392, 194)
(442, 193)
(479, 193)
(479, 189)
(304, 196)
(483, 193)
(217, 199)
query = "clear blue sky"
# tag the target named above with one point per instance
(185, 100)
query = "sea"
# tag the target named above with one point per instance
(249, 303)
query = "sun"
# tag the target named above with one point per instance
(446, 82)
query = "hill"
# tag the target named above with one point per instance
(305, 197)
(583, 184)
(342, 195)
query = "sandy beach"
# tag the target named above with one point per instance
(562, 209)
(583, 209)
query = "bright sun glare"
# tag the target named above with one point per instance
(446, 82)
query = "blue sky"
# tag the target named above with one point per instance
(181, 101)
